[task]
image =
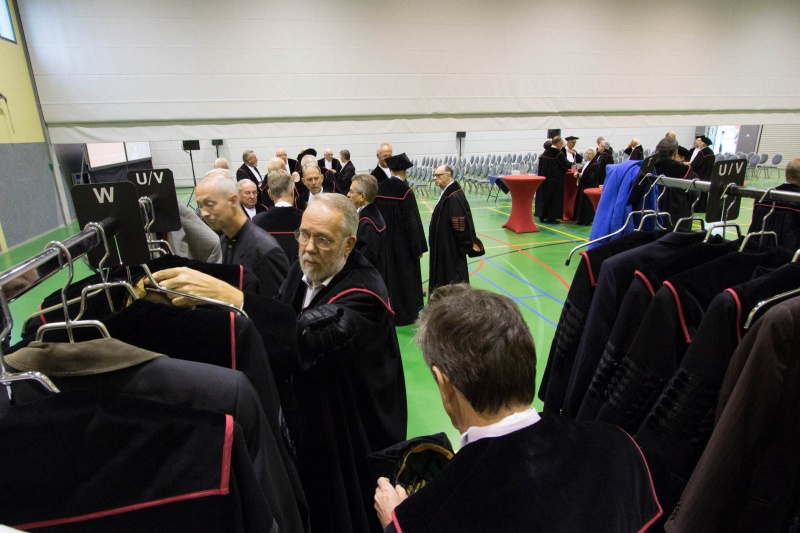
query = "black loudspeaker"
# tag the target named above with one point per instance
(553, 133)
(461, 134)
(216, 142)
(191, 145)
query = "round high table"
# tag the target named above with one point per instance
(522, 187)
(594, 196)
(570, 192)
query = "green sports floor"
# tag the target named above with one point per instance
(528, 268)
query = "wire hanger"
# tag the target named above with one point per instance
(691, 216)
(149, 215)
(7, 378)
(68, 323)
(762, 233)
(155, 287)
(630, 216)
(726, 213)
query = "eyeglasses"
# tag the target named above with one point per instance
(320, 241)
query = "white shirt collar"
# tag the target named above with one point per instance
(250, 212)
(282, 203)
(311, 292)
(387, 170)
(445, 189)
(511, 423)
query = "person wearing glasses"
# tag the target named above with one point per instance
(451, 233)
(343, 389)
(242, 242)
(371, 239)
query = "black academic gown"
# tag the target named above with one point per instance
(350, 391)
(335, 164)
(281, 223)
(676, 202)
(637, 153)
(379, 174)
(550, 195)
(593, 175)
(702, 165)
(398, 205)
(450, 233)
(372, 241)
(301, 201)
(784, 220)
(538, 479)
(345, 177)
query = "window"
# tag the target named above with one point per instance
(6, 24)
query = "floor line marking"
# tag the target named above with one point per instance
(523, 304)
(526, 282)
(523, 252)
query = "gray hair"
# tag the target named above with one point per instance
(310, 165)
(666, 147)
(481, 342)
(242, 183)
(606, 146)
(344, 154)
(276, 163)
(280, 183)
(246, 155)
(368, 185)
(341, 203)
(380, 147)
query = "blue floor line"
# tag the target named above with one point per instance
(523, 304)
(526, 282)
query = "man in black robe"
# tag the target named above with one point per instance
(248, 171)
(314, 184)
(591, 176)
(347, 172)
(451, 232)
(517, 470)
(398, 205)
(242, 242)
(782, 218)
(382, 171)
(676, 202)
(347, 376)
(371, 240)
(701, 161)
(284, 218)
(553, 164)
(634, 150)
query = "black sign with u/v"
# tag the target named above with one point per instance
(724, 173)
(120, 201)
(159, 185)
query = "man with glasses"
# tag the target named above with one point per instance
(371, 239)
(343, 392)
(451, 234)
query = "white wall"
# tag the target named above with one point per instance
(353, 73)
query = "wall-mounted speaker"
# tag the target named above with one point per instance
(191, 145)
(216, 142)
(461, 134)
(553, 133)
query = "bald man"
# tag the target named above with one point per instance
(328, 162)
(243, 243)
(221, 162)
(382, 172)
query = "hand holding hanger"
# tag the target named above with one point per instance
(192, 282)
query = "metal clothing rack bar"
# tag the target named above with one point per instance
(43, 265)
(771, 195)
(19, 279)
